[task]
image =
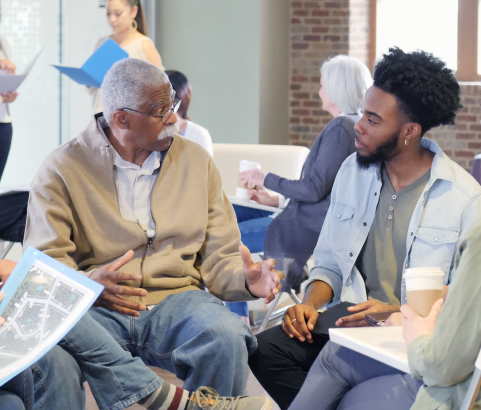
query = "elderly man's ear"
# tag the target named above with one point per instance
(120, 119)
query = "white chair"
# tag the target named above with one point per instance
(284, 160)
(474, 386)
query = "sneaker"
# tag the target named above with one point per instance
(206, 398)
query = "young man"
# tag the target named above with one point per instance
(399, 202)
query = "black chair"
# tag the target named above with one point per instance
(13, 217)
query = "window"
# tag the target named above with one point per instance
(448, 29)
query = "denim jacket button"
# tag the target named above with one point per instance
(350, 254)
(338, 215)
(436, 239)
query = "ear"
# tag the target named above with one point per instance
(412, 131)
(120, 119)
(134, 12)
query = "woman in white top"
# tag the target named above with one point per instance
(6, 130)
(188, 129)
(127, 20)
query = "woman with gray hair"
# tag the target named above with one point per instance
(292, 236)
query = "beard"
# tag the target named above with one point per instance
(383, 153)
(168, 131)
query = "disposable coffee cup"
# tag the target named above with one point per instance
(241, 191)
(424, 286)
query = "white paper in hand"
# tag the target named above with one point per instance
(10, 82)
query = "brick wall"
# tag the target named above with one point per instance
(461, 142)
(320, 29)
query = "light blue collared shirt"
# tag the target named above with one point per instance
(447, 207)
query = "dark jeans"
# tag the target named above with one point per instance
(13, 216)
(281, 364)
(6, 132)
(17, 394)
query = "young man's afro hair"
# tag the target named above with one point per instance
(426, 90)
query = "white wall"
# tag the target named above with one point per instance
(216, 45)
(30, 25)
(84, 22)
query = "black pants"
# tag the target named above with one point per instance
(281, 364)
(5, 143)
(13, 216)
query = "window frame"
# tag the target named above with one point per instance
(468, 24)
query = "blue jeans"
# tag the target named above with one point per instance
(191, 334)
(88, 352)
(17, 393)
(343, 379)
(253, 224)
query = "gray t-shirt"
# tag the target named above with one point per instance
(382, 257)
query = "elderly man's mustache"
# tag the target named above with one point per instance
(168, 131)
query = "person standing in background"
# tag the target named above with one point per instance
(6, 130)
(188, 129)
(127, 20)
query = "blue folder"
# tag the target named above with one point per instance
(93, 71)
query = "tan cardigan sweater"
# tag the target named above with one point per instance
(74, 217)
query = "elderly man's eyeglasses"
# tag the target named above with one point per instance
(165, 115)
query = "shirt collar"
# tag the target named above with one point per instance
(150, 165)
(441, 167)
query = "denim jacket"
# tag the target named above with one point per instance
(447, 207)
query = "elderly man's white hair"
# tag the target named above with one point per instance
(346, 80)
(125, 83)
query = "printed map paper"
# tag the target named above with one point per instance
(43, 301)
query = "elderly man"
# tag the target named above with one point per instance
(143, 213)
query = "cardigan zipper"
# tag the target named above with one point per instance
(149, 244)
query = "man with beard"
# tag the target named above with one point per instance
(398, 202)
(142, 212)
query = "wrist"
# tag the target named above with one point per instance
(248, 290)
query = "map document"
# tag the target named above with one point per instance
(43, 301)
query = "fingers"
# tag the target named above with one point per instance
(118, 263)
(408, 312)
(246, 256)
(127, 290)
(114, 308)
(122, 276)
(347, 321)
(436, 309)
(111, 299)
(360, 306)
(289, 329)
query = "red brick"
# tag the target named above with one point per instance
(299, 79)
(295, 21)
(300, 46)
(300, 13)
(311, 104)
(475, 127)
(295, 103)
(332, 5)
(300, 112)
(310, 121)
(295, 86)
(464, 154)
(320, 13)
(320, 29)
(311, 5)
(474, 145)
(300, 95)
(295, 137)
(296, 4)
(314, 22)
(312, 38)
(318, 113)
(332, 38)
(295, 120)
(464, 136)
